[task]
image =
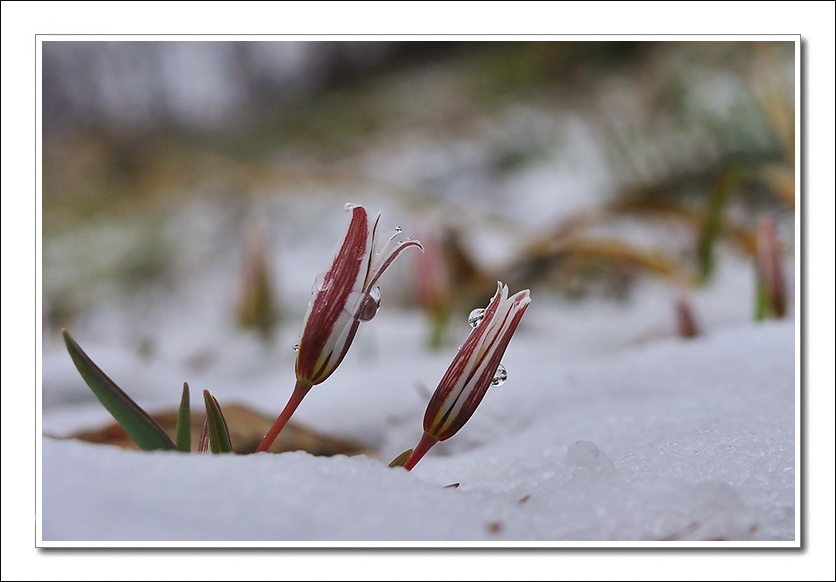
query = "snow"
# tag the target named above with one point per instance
(631, 452)
(610, 428)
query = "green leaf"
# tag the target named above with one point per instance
(143, 429)
(401, 459)
(183, 431)
(711, 227)
(219, 441)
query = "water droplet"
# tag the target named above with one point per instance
(398, 229)
(476, 316)
(320, 284)
(295, 347)
(500, 376)
(369, 306)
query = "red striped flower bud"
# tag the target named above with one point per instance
(473, 370)
(346, 295)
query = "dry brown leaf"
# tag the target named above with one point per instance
(246, 429)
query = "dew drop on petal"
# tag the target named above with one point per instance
(295, 347)
(369, 306)
(475, 317)
(500, 376)
(398, 229)
(320, 284)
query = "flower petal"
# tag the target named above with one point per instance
(469, 376)
(330, 323)
(347, 295)
(383, 253)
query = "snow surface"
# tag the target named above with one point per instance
(610, 428)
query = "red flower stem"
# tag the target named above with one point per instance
(424, 445)
(299, 392)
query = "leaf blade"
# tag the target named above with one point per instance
(183, 430)
(138, 424)
(401, 459)
(219, 441)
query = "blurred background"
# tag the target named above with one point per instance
(196, 189)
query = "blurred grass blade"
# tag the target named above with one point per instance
(771, 297)
(219, 441)
(761, 300)
(713, 220)
(183, 432)
(256, 306)
(401, 459)
(143, 429)
(686, 321)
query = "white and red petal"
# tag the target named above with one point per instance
(469, 376)
(330, 322)
(346, 296)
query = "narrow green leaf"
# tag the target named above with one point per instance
(712, 225)
(401, 459)
(761, 300)
(219, 441)
(183, 431)
(143, 429)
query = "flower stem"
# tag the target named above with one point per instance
(424, 445)
(299, 392)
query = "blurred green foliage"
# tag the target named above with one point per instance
(695, 134)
